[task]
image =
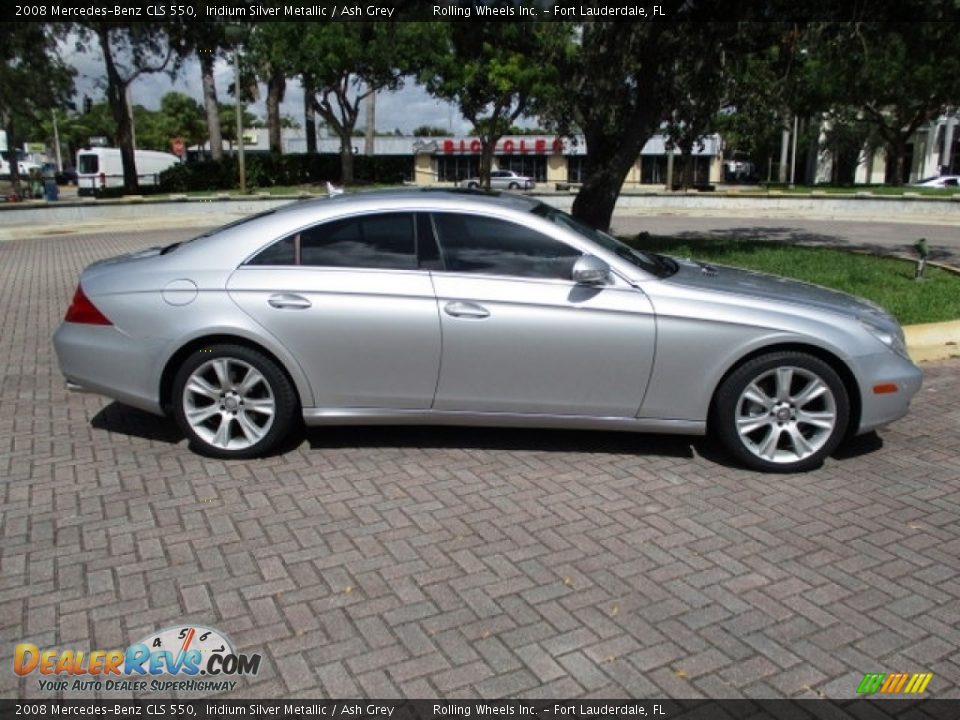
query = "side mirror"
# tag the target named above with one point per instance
(590, 270)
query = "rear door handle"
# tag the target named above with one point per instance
(288, 301)
(466, 310)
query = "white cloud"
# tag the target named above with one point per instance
(406, 109)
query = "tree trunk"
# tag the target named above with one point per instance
(210, 103)
(896, 161)
(117, 99)
(487, 146)
(686, 178)
(276, 85)
(346, 157)
(610, 159)
(309, 118)
(900, 163)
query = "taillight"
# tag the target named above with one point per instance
(83, 311)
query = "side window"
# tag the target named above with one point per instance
(372, 241)
(489, 246)
(281, 252)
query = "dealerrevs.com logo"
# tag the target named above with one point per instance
(184, 658)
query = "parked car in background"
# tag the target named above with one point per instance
(503, 180)
(67, 176)
(332, 311)
(939, 181)
(738, 168)
(24, 166)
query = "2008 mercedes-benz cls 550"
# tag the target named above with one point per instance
(452, 307)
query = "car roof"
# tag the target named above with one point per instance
(235, 239)
(454, 197)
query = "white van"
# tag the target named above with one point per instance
(101, 168)
(24, 166)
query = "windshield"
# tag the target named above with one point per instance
(650, 262)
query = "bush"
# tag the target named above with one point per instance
(268, 170)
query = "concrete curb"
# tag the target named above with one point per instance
(933, 341)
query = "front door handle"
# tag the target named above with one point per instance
(288, 301)
(466, 310)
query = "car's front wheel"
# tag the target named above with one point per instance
(473, 185)
(233, 402)
(781, 412)
(513, 186)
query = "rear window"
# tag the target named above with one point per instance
(89, 164)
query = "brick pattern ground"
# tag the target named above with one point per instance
(467, 563)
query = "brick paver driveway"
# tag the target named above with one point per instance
(409, 562)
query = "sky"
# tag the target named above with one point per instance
(405, 109)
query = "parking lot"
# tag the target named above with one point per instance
(406, 562)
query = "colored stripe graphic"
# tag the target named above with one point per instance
(894, 683)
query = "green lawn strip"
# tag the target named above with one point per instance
(887, 281)
(858, 189)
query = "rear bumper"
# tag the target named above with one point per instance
(884, 369)
(103, 360)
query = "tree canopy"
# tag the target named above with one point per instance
(33, 78)
(495, 73)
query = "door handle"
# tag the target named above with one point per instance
(466, 310)
(287, 301)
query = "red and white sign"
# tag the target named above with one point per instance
(506, 146)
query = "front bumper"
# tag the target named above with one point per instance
(879, 406)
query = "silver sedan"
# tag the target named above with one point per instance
(454, 307)
(503, 180)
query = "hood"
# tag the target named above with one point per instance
(772, 288)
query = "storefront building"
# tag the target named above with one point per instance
(550, 160)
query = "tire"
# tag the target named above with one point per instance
(473, 185)
(781, 412)
(233, 402)
(513, 186)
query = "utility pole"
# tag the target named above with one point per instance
(793, 152)
(56, 141)
(240, 159)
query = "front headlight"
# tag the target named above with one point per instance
(890, 335)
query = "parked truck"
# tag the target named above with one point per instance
(101, 168)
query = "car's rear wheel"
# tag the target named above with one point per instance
(514, 186)
(473, 185)
(233, 402)
(782, 412)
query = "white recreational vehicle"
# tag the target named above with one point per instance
(101, 168)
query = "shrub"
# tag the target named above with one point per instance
(268, 170)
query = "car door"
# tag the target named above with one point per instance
(349, 300)
(519, 336)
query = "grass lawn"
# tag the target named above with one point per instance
(872, 189)
(886, 281)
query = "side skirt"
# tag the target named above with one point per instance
(383, 416)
